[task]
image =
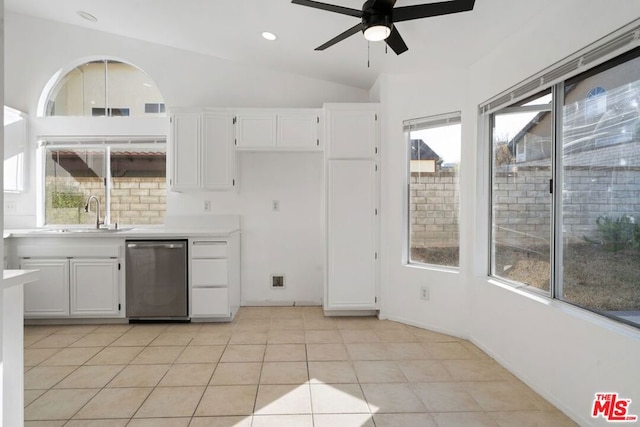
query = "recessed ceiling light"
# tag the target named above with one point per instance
(86, 15)
(269, 36)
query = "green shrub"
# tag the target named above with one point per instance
(617, 234)
(67, 200)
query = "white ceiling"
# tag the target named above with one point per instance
(231, 29)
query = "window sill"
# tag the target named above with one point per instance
(569, 309)
(433, 267)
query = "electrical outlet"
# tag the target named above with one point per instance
(206, 206)
(424, 293)
(10, 207)
(275, 205)
(277, 281)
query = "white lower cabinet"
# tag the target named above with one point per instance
(94, 287)
(210, 302)
(48, 296)
(72, 287)
(215, 278)
(209, 272)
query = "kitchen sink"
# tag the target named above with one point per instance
(85, 230)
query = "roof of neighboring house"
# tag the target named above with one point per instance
(421, 151)
(530, 125)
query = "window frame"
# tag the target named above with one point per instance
(487, 111)
(427, 122)
(105, 144)
(519, 109)
(48, 94)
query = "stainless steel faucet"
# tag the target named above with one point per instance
(86, 209)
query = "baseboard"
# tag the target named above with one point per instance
(344, 313)
(533, 385)
(284, 303)
(432, 328)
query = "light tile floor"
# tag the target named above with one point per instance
(272, 366)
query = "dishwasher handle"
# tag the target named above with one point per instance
(155, 245)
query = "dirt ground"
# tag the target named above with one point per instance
(593, 277)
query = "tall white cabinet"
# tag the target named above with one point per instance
(352, 207)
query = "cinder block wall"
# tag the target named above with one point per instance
(134, 201)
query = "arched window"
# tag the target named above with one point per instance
(124, 169)
(104, 87)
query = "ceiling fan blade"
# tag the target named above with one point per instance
(387, 4)
(329, 7)
(351, 31)
(418, 11)
(395, 42)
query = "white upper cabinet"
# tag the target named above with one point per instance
(217, 151)
(202, 150)
(256, 130)
(299, 130)
(185, 150)
(352, 131)
(278, 130)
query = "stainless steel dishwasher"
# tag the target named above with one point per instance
(156, 279)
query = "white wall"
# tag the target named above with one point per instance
(288, 242)
(564, 353)
(405, 97)
(2, 65)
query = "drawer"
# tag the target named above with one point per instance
(210, 302)
(208, 249)
(209, 272)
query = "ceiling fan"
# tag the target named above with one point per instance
(378, 17)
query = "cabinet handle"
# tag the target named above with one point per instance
(203, 243)
(155, 245)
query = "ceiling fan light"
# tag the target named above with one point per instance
(269, 36)
(377, 33)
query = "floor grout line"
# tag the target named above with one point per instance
(241, 328)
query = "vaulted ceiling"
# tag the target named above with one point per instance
(232, 30)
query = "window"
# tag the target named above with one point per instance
(105, 88)
(565, 208)
(521, 208)
(434, 145)
(15, 139)
(128, 177)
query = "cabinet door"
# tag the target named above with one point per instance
(49, 296)
(352, 134)
(209, 272)
(298, 130)
(94, 287)
(185, 151)
(217, 151)
(352, 234)
(210, 302)
(256, 130)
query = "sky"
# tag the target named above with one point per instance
(445, 141)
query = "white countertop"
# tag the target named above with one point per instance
(126, 233)
(19, 277)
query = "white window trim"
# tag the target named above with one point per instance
(71, 142)
(427, 122)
